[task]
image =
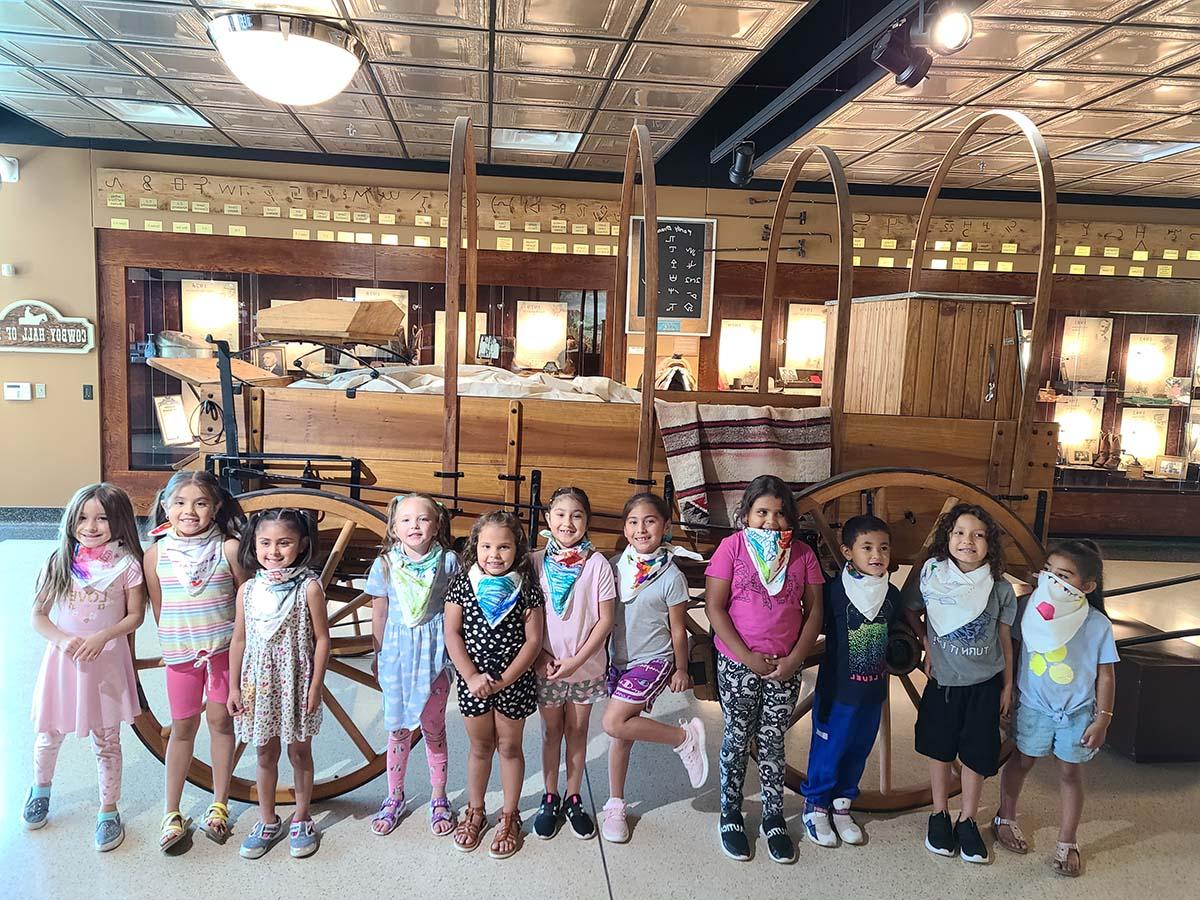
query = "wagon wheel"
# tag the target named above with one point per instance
(350, 533)
(910, 501)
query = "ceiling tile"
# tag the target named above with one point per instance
(60, 106)
(1058, 146)
(420, 133)
(684, 65)
(26, 81)
(51, 53)
(1097, 123)
(343, 126)
(1102, 11)
(148, 23)
(936, 142)
(357, 106)
(450, 48)
(1139, 51)
(1181, 128)
(942, 86)
(324, 8)
(1025, 180)
(256, 140)
(405, 81)
(846, 139)
(431, 151)
(749, 24)
(460, 13)
(862, 175)
(128, 87)
(182, 62)
(37, 17)
(1183, 13)
(596, 18)
(1011, 44)
(620, 123)
(529, 158)
(614, 145)
(357, 147)
(951, 180)
(1051, 89)
(548, 118)
(555, 55)
(958, 119)
(898, 116)
(885, 159)
(1173, 188)
(544, 89)
(1192, 70)
(185, 134)
(1150, 173)
(414, 109)
(216, 93)
(985, 163)
(665, 98)
(102, 129)
(598, 162)
(1074, 169)
(251, 120)
(1166, 95)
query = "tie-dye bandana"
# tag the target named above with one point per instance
(563, 566)
(770, 551)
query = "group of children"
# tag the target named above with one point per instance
(245, 641)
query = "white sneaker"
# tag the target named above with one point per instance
(848, 830)
(692, 752)
(615, 829)
(818, 829)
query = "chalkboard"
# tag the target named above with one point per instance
(685, 275)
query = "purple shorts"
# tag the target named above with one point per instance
(641, 683)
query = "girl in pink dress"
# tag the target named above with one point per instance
(93, 584)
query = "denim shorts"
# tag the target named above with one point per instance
(1038, 733)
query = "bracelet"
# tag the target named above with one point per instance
(1104, 712)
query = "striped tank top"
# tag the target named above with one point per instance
(195, 620)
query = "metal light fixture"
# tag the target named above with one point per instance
(951, 31)
(742, 169)
(287, 59)
(904, 48)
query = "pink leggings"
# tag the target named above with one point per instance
(106, 743)
(433, 728)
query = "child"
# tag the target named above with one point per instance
(649, 651)
(1066, 687)
(277, 664)
(852, 684)
(572, 667)
(493, 634)
(408, 585)
(93, 581)
(764, 604)
(969, 610)
(192, 577)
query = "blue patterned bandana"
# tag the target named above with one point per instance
(497, 594)
(563, 566)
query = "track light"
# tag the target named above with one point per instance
(895, 52)
(742, 169)
(902, 49)
(950, 32)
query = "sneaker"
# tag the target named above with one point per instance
(261, 839)
(940, 837)
(615, 829)
(734, 843)
(970, 843)
(302, 837)
(549, 817)
(582, 825)
(109, 833)
(36, 811)
(817, 827)
(848, 830)
(692, 751)
(780, 846)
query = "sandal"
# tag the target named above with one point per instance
(1062, 859)
(216, 822)
(384, 822)
(508, 835)
(174, 829)
(1015, 842)
(440, 814)
(466, 835)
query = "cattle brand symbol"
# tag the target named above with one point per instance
(32, 326)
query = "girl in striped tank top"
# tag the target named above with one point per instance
(192, 574)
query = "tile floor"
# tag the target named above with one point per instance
(1140, 833)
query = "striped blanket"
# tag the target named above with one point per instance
(715, 450)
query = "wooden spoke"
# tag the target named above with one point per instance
(344, 646)
(803, 708)
(361, 600)
(832, 542)
(911, 689)
(885, 740)
(343, 717)
(338, 551)
(366, 679)
(148, 663)
(238, 752)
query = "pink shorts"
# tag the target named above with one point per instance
(188, 684)
(641, 683)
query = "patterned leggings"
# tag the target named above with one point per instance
(433, 729)
(107, 745)
(757, 708)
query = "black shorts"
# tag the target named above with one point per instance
(962, 722)
(517, 701)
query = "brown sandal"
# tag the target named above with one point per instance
(508, 835)
(1015, 841)
(466, 835)
(1062, 859)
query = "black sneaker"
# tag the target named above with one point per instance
(549, 817)
(582, 825)
(970, 844)
(780, 846)
(734, 842)
(940, 838)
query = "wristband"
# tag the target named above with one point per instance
(1104, 712)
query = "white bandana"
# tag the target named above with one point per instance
(866, 592)
(635, 570)
(271, 596)
(1053, 614)
(954, 598)
(96, 568)
(193, 558)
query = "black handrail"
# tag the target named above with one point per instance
(1156, 638)
(1152, 585)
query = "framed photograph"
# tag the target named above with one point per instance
(272, 359)
(1081, 457)
(489, 347)
(173, 421)
(1170, 466)
(788, 375)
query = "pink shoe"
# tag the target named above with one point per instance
(692, 751)
(615, 828)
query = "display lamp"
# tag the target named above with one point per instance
(292, 60)
(904, 48)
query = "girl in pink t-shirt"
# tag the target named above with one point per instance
(571, 670)
(763, 598)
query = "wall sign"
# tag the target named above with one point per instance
(686, 250)
(31, 326)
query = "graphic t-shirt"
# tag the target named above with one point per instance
(971, 654)
(1064, 679)
(854, 667)
(566, 634)
(765, 624)
(642, 627)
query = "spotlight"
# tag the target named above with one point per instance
(895, 52)
(902, 49)
(951, 31)
(742, 169)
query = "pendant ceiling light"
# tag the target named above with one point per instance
(287, 59)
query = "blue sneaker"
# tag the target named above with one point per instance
(303, 838)
(109, 832)
(36, 811)
(261, 838)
